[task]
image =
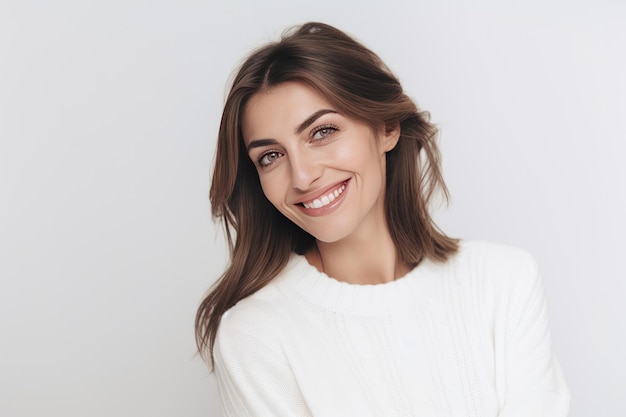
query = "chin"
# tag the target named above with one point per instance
(330, 235)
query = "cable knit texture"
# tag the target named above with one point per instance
(464, 338)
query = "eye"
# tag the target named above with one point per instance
(268, 158)
(323, 132)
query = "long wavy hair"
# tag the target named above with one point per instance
(354, 80)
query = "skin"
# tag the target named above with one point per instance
(305, 149)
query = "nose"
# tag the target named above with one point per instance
(305, 170)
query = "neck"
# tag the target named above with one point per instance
(359, 261)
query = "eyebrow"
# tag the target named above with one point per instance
(257, 143)
(308, 122)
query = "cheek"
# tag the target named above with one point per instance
(267, 190)
(361, 155)
(272, 189)
(351, 153)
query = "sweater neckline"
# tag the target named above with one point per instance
(328, 293)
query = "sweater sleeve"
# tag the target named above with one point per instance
(254, 378)
(532, 383)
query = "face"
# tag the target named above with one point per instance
(321, 169)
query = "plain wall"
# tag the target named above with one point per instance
(108, 117)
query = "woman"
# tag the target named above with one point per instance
(342, 297)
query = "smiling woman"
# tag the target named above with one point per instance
(342, 297)
(323, 171)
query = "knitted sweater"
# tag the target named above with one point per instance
(468, 337)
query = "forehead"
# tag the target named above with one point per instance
(279, 110)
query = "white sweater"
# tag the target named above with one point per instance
(468, 337)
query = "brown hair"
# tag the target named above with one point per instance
(358, 83)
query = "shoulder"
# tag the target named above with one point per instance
(495, 257)
(259, 317)
(251, 320)
(246, 337)
(493, 268)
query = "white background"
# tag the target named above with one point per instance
(108, 117)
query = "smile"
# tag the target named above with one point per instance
(326, 199)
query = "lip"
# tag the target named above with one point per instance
(329, 208)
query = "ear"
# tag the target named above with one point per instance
(389, 137)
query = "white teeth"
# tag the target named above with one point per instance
(325, 200)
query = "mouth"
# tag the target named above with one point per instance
(327, 198)
(326, 202)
